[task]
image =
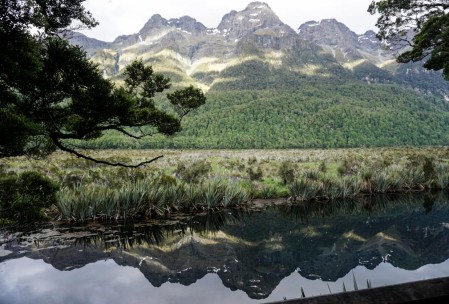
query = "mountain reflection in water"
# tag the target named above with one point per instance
(234, 256)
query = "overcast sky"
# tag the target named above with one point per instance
(119, 17)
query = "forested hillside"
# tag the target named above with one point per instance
(269, 86)
(313, 115)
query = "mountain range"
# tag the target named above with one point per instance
(270, 86)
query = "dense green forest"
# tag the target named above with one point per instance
(315, 114)
(305, 100)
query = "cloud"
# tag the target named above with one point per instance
(120, 17)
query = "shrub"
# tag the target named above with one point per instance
(287, 172)
(166, 180)
(23, 197)
(322, 167)
(252, 161)
(341, 170)
(194, 172)
(346, 168)
(428, 168)
(254, 174)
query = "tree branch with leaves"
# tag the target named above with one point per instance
(422, 24)
(50, 93)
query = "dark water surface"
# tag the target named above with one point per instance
(232, 257)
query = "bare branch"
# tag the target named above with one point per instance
(82, 147)
(121, 130)
(98, 161)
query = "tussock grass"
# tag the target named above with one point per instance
(197, 180)
(146, 198)
(393, 178)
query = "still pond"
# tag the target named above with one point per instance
(235, 256)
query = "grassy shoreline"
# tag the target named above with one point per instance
(198, 180)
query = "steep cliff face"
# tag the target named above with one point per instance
(90, 45)
(259, 25)
(185, 46)
(335, 36)
(369, 41)
(256, 15)
(190, 52)
(344, 45)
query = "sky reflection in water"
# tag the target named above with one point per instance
(33, 281)
(233, 257)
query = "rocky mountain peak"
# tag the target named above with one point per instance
(257, 5)
(369, 41)
(370, 33)
(153, 25)
(155, 21)
(337, 39)
(257, 15)
(187, 24)
(327, 32)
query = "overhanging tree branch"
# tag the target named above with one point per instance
(100, 161)
(424, 24)
(123, 131)
(53, 93)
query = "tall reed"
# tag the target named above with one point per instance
(304, 189)
(146, 197)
